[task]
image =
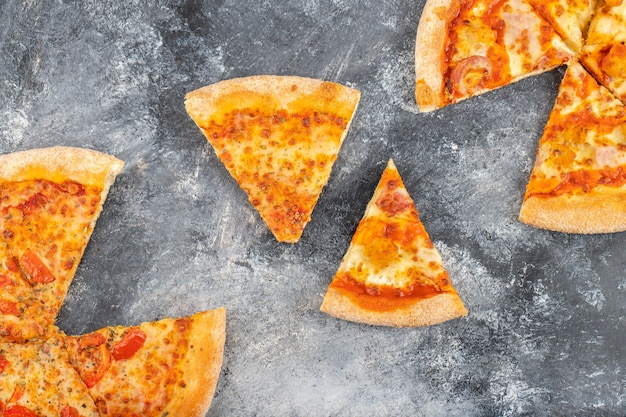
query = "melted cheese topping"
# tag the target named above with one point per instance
(605, 51)
(584, 141)
(279, 151)
(570, 18)
(39, 378)
(391, 260)
(492, 43)
(142, 384)
(46, 226)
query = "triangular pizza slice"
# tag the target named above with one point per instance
(471, 47)
(37, 380)
(168, 367)
(278, 136)
(50, 200)
(570, 18)
(578, 182)
(604, 52)
(392, 274)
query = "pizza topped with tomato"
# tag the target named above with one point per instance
(50, 200)
(392, 274)
(278, 136)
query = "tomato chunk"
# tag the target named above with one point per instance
(131, 342)
(8, 308)
(3, 363)
(5, 281)
(69, 411)
(18, 411)
(35, 268)
(94, 357)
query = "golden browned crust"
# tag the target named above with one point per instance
(60, 163)
(424, 312)
(282, 89)
(603, 210)
(202, 366)
(429, 53)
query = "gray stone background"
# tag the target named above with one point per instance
(545, 330)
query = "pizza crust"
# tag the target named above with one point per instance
(429, 51)
(603, 210)
(61, 163)
(202, 366)
(425, 312)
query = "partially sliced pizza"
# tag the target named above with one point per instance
(604, 52)
(50, 200)
(570, 18)
(465, 48)
(168, 367)
(578, 183)
(392, 274)
(278, 136)
(37, 380)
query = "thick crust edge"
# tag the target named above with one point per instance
(425, 312)
(203, 365)
(203, 100)
(82, 165)
(430, 46)
(601, 211)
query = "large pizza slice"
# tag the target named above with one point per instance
(37, 380)
(465, 48)
(168, 367)
(578, 183)
(278, 136)
(392, 274)
(604, 52)
(50, 200)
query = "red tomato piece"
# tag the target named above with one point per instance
(5, 281)
(131, 342)
(19, 411)
(69, 411)
(35, 268)
(8, 308)
(3, 364)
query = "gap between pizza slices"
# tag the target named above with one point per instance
(50, 200)
(392, 274)
(278, 136)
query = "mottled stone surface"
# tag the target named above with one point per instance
(545, 331)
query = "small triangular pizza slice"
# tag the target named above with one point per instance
(37, 380)
(578, 182)
(278, 136)
(570, 18)
(604, 52)
(50, 199)
(466, 48)
(168, 367)
(392, 274)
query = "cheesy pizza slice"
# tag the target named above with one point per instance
(392, 274)
(167, 367)
(50, 200)
(604, 52)
(37, 380)
(570, 18)
(465, 48)
(578, 182)
(278, 136)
